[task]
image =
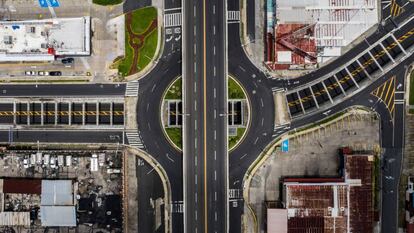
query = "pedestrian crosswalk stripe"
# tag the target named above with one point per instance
(134, 139)
(233, 15)
(132, 89)
(172, 20)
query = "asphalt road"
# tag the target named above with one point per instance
(149, 126)
(61, 136)
(130, 5)
(205, 119)
(150, 181)
(261, 126)
(68, 90)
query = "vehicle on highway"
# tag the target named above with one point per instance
(43, 73)
(68, 60)
(55, 73)
(30, 73)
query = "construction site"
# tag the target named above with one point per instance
(302, 35)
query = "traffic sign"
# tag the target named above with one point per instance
(47, 3)
(285, 145)
(43, 3)
(54, 3)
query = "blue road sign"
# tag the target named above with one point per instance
(43, 3)
(54, 3)
(47, 3)
(285, 145)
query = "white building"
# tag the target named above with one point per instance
(43, 40)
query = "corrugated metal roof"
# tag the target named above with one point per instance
(361, 206)
(63, 216)
(14, 218)
(56, 192)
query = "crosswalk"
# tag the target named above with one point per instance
(177, 207)
(132, 89)
(233, 15)
(172, 20)
(235, 194)
(134, 140)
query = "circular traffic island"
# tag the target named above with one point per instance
(172, 115)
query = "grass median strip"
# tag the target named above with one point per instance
(175, 135)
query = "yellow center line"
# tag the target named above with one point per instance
(205, 121)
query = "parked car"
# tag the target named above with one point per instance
(30, 73)
(25, 163)
(68, 60)
(43, 73)
(55, 73)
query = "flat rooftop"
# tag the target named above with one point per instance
(44, 39)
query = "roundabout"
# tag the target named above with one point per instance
(238, 113)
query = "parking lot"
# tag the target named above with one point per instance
(94, 68)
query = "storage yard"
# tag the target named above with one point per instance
(69, 191)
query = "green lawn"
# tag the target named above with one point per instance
(235, 91)
(141, 19)
(125, 64)
(174, 92)
(175, 135)
(148, 51)
(107, 2)
(233, 140)
(411, 100)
